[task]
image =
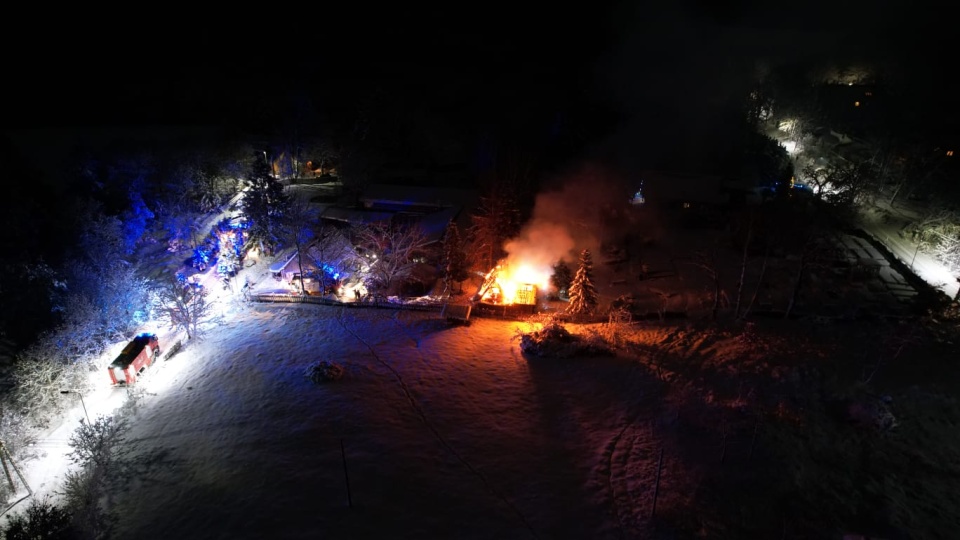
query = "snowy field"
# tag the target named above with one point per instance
(447, 432)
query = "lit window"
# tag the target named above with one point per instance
(868, 94)
(686, 205)
(949, 152)
(856, 103)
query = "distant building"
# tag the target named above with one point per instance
(338, 258)
(415, 199)
(431, 208)
(679, 190)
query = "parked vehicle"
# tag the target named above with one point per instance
(135, 358)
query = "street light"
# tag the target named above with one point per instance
(77, 392)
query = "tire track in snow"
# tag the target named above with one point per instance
(423, 417)
(395, 319)
(628, 464)
(607, 471)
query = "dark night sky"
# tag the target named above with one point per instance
(663, 64)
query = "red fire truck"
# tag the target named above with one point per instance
(136, 357)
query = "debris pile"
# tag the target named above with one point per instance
(324, 371)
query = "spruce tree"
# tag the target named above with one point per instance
(561, 278)
(264, 205)
(583, 294)
(455, 265)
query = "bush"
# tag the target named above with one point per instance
(554, 340)
(41, 521)
(323, 371)
(82, 492)
(97, 444)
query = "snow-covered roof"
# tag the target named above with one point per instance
(434, 225)
(354, 216)
(394, 195)
(282, 262)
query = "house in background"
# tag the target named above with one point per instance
(331, 259)
(678, 190)
(692, 199)
(431, 209)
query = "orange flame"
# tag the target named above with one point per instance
(514, 284)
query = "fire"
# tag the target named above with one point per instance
(517, 284)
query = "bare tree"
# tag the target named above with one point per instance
(707, 261)
(331, 253)
(947, 247)
(455, 268)
(299, 221)
(321, 155)
(842, 183)
(40, 374)
(743, 264)
(390, 251)
(936, 217)
(183, 304)
(915, 169)
(497, 220)
(756, 290)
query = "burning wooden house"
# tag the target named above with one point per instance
(512, 288)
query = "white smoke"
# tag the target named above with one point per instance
(567, 220)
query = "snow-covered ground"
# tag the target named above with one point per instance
(885, 231)
(446, 431)
(924, 266)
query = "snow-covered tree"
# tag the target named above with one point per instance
(455, 266)
(183, 304)
(136, 219)
(583, 293)
(842, 184)
(298, 228)
(264, 205)
(390, 250)
(104, 295)
(331, 253)
(41, 519)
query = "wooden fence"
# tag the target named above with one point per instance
(307, 299)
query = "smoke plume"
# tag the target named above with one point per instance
(568, 219)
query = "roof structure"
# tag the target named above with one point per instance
(397, 197)
(355, 216)
(434, 225)
(665, 187)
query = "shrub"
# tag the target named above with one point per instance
(41, 521)
(82, 492)
(554, 340)
(97, 444)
